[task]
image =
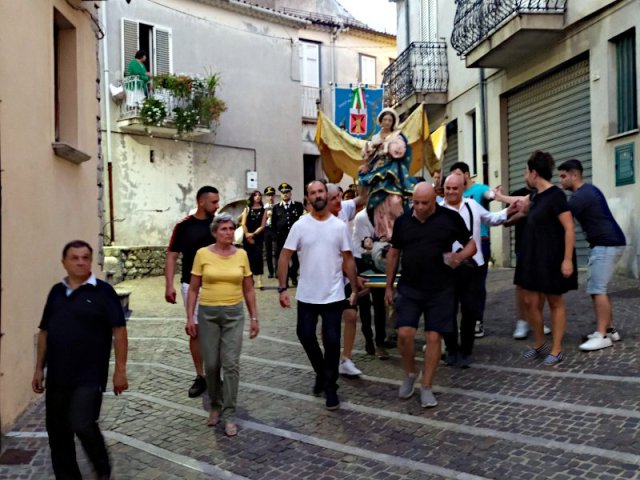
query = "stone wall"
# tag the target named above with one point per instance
(128, 262)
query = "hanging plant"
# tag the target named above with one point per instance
(210, 108)
(153, 112)
(186, 119)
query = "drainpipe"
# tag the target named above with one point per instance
(334, 36)
(107, 114)
(407, 25)
(483, 127)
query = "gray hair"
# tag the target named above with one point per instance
(222, 218)
(332, 189)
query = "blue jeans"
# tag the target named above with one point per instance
(75, 410)
(325, 366)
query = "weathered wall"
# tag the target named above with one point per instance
(46, 200)
(261, 129)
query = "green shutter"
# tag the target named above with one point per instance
(554, 115)
(626, 82)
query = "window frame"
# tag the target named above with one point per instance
(625, 82)
(361, 57)
(151, 55)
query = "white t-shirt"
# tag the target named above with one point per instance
(319, 245)
(362, 229)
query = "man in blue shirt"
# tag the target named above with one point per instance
(606, 242)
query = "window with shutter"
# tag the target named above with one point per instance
(154, 40)
(162, 51)
(309, 64)
(627, 96)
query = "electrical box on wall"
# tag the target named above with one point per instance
(252, 180)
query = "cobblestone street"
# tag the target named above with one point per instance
(504, 418)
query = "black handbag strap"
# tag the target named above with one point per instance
(466, 204)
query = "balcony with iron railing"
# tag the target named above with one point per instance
(166, 112)
(419, 75)
(498, 33)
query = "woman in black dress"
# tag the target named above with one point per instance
(253, 224)
(547, 263)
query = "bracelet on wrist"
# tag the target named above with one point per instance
(254, 319)
(282, 289)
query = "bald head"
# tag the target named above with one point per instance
(423, 188)
(453, 188)
(424, 201)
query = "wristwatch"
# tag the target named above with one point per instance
(282, 289)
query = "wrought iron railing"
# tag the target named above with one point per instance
(131, 107)
(420, 68)
(475, 20)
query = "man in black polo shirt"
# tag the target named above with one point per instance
(424, 237)
(189, 235)
(80, 317)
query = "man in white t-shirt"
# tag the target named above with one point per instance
(324, 250)
(346, 210)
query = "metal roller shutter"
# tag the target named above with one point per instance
(451, 153)
(554, 115)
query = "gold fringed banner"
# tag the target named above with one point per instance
(342, 153)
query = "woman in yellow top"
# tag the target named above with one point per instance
(222, 275)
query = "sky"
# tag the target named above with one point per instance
(378, 14)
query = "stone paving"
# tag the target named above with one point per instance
(504, 418)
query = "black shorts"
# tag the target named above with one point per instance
(347, 294)
(438, 309)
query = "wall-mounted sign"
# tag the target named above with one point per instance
(625, 164)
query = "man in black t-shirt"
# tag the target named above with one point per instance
(424, 237)
(80, 317)
(189, 235)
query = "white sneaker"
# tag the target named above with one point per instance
(612, 333)
(596, 342)
(546, 330)
(522, 330)
(347, 367)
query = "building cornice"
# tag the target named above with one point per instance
(262, 13)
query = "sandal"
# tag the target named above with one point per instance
(214, 418)
(230, 429)
(535, 352)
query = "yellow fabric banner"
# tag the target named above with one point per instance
(342, 153)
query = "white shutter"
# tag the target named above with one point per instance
(429, 21)
(309, 64)
(162, 51)
(367, 70)
(130, 42)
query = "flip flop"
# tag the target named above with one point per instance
(214, 418)
(230, 429)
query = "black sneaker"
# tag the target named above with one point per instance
(479, 330)
(333, 403)
(198, 387)
(370, 348)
